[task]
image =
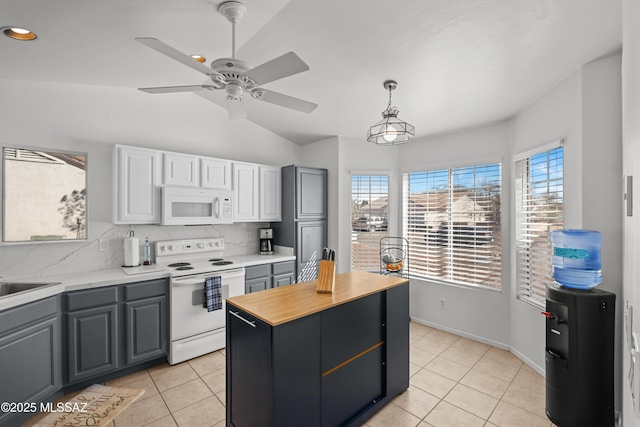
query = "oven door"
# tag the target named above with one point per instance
(194, 206)
(188, 316)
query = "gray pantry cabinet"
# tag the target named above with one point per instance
(267, 276)
(30, 353)
(304, 214)
(115, 327)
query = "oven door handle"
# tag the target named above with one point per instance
(191, 280)
(251, 323)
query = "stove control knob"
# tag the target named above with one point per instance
(163, 248)
(201, 245)
(170, 247)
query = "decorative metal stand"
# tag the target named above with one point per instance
(394, 254)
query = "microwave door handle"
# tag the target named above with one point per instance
(216, 207)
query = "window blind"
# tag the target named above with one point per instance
(369, 219)
(539, 210)
(451, 218)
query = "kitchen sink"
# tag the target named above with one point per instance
(8, 288)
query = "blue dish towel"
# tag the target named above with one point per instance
(212, 293)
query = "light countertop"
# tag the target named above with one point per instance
(116, 276)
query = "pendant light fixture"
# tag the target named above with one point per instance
(390, 130)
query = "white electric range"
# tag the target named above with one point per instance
(193, 330)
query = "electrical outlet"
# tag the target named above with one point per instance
(103, 245)
(441, 302)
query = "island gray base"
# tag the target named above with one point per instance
(335, 367)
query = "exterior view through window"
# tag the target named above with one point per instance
(369, 216)
(539, 210)
(451, 218)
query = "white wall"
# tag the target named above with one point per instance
(602, 190)
(357, 155)
(631, 167)
(555, 115)
(585, 110)
(479, 314)
(92, 119)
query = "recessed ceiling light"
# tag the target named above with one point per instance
(18, 33)
(199, 58)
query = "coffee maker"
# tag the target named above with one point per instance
(266, 241)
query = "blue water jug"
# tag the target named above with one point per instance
(576, 258)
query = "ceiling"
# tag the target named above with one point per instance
(458, 63)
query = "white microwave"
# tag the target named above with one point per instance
(195, 206)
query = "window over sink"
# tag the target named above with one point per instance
(44, 195)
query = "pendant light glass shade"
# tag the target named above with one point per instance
(390, 130)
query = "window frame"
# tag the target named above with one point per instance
(416, 272)
(371, 174)
(525, 285)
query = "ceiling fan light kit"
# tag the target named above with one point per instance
(236, 77)
(390, 130)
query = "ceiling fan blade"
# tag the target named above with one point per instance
(172, 89)
(175, 54)
(284, 100)
(236, 109)
(278, 68)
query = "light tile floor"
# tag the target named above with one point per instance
(454, 382)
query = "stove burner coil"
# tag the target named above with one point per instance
(180, 264)
(215, 259)
(186, 267)
(222, 263)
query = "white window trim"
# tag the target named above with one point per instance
(516, 189)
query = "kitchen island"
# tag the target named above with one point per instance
(298, 357)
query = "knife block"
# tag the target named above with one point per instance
(326, 277)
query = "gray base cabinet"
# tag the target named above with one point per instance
(30, 362)
(146, 321)
(65, 342)
(115, 327)
(332, 368)
(92, 335)
(267, 276)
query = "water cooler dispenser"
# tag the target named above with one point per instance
(580, 330)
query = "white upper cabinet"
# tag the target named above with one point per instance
(181, 170)
(270, 193)
(246, 181)
(137, 177)
(140, 173)
(215, 173)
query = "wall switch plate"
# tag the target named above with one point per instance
(103, 245)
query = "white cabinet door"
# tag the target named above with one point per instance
(180, 169)
(246, 192)
(270, 193)
(137, 191)
(215, 173)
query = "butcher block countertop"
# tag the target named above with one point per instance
(281, 305)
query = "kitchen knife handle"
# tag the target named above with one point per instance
(250, 323)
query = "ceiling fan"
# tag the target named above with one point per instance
(234, 76)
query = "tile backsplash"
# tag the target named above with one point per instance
(34, 260)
